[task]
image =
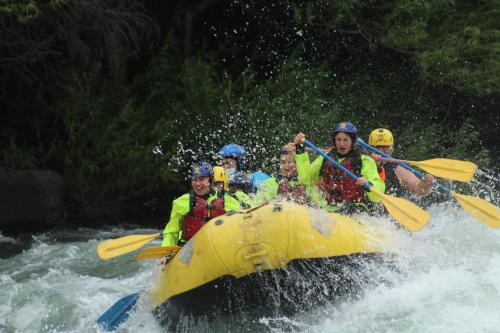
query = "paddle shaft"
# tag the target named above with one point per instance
(366, 186)
(400, 162)
(393, 160)
(131, 243)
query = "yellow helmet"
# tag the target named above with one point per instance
(220, 175)
(381, 137)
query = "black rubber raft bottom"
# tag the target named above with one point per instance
(228, 303)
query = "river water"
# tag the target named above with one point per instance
(450, 282)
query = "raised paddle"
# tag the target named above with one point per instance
(116, 247)
(481, 209)
(408, 214)
(461, 171)
(118, 313)
(158, 252)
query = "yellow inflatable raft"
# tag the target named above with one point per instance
(235, 257)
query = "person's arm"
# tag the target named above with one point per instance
(267, 191)
(180, 207)
(315, 170)
(307, 173)
(370, 173)
(412, 183)
(303, 165)
(377, 158)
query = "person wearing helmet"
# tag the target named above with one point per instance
(239, 187)
(396, 178)
(221, 179)
(287, 185)
(192, 210)
(233, 160)
(338, 188)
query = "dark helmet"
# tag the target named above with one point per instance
(282, 151)
(347, 128)
(202, 169)
(233, 151)
(240, 180)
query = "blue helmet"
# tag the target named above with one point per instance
(233, 151)
(282, 151)
(347, 128)
(242, 180)
(202, 169)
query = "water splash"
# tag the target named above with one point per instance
(446, 279)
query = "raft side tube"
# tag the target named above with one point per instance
(257, 240)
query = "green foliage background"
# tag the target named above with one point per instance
(121, 109)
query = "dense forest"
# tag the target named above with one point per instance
(119, 96)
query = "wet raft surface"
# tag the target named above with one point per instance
(302, 285)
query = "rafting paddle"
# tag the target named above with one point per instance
(123, 245)
(408, 214)
(118, 313)
(481, 209)
(158, 252)
(461, 171)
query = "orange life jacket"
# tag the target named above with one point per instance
(381, 172)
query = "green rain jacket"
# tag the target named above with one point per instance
(268, 191)
(310, 172)
(180, 207)
(245, 200)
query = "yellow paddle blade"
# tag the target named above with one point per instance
(461, 171)
(405, 212)
(481, 209)
(158, 252)
(116, 247)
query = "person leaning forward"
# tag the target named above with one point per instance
(338, 188)
(192, 210)
(396, 178)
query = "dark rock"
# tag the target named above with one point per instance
(30, 199)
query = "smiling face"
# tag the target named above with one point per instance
(343, 142)
(288, 168)
(201, 185)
